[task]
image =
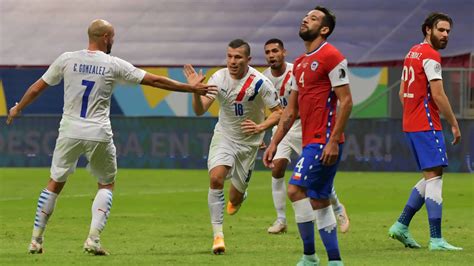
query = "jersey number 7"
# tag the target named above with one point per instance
(85, 98)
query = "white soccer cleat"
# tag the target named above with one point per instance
(93, 247)
(35, 247)
(343, 219)
(278, 227)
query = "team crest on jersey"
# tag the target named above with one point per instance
(437, 68)
(314, 65)
(250, 92)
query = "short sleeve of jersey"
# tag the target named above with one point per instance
(432, 69)
(269, 94)
(128, 72)
(54, 74)
(339, 75)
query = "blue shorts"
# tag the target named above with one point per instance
(311, 174)
(429, 148)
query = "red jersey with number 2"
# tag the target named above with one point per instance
(420, 113)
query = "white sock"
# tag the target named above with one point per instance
(216, 203)
(100, 212)
(336, 205)
(325, 219)
(303, 211)
(279, 197)
(44, 210)
(434, 189)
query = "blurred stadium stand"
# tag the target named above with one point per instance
(162, 35)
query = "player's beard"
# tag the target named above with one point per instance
(309, 35)
(109, 48)
(437, 43)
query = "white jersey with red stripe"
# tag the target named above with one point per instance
(89, 79)
(240, 100)
(284, 84)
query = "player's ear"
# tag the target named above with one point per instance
(249, 58)
(324, 31)
(428, 30)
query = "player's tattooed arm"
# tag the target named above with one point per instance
(287, 121)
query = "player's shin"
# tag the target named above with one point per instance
(304, 218)
(279, 198)
(100, 212)
(45, 208)
(336, 205)
(414, 203)
(434, 205)
(326, 222)
(216, 203)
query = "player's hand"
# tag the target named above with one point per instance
(204, 89)
(262, 146)
(456, 134)
(268, 155)
(330, 153)
(250, 127)
(13, 113)
(195, 79)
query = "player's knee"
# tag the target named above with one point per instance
(216, 182)
(295, 193)
(320, 203)
(278, 172)
(280, 166)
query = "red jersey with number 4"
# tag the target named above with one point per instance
(317, 74)
(420, 113)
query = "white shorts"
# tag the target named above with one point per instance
(290, 143)
(240, 157)
(101, 156)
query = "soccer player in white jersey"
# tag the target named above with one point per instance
(89, 77)
(243, 94)
(279, 73)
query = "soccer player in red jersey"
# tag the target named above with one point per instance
(422, 97)
(321, 76)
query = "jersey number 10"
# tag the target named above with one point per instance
(85, 98)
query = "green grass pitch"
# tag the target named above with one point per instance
(160, 217)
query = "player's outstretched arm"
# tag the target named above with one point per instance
(201, 103)
(331, 151)
(195, 86)
(441, 100)
(30, 95)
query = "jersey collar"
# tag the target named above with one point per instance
(317, 49)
